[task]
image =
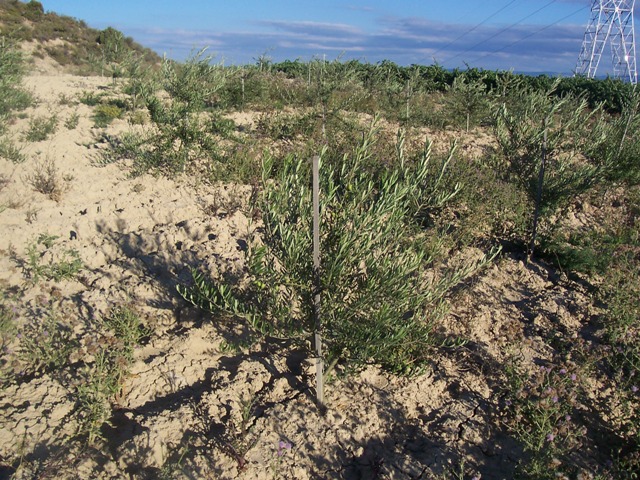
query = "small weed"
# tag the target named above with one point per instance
(240, 438)
(236, 346)
(9, 151)
(89, 98)
(283, 448)
(94, 395)
(8, 314)
(40, 128)
(31, 215)
(127, 326)
(4, 181)
(64, 100)
(45, 179)
(47, 240)
(45, 346)
(137, 118)
(173, 464)
(72, 122)
(541, 406)
(66, 267)
(104, 379)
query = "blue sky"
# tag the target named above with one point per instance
(519, 35)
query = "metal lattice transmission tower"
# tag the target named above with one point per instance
(611, 22)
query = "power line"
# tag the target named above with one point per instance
(500, 32)
(475, 27)
(529, 35)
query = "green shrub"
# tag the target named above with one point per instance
(104, 114)
(619, 150)
(12, 68)
(467, 101)
(33, 10)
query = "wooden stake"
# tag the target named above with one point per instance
(317, 340)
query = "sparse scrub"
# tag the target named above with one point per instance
(404, 228)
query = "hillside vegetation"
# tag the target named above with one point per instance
(479, 280)
(70, 42)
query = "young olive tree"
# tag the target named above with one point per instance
(619, 152)
(540, 136)
(383, 289)
(141, 82)
(467, 99)
(333, 87)
(182, 132)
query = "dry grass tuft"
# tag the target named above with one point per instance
(47, 180)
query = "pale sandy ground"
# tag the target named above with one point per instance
(182, 402)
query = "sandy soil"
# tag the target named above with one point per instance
(181, 410)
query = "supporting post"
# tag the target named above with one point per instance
(536, 214)
(317, 339)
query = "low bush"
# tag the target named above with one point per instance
(104, 114)
(102, 380)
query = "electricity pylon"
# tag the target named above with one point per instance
(611, 22)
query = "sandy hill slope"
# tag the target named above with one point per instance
(202, 397)
(108, 373)
(66, 43)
